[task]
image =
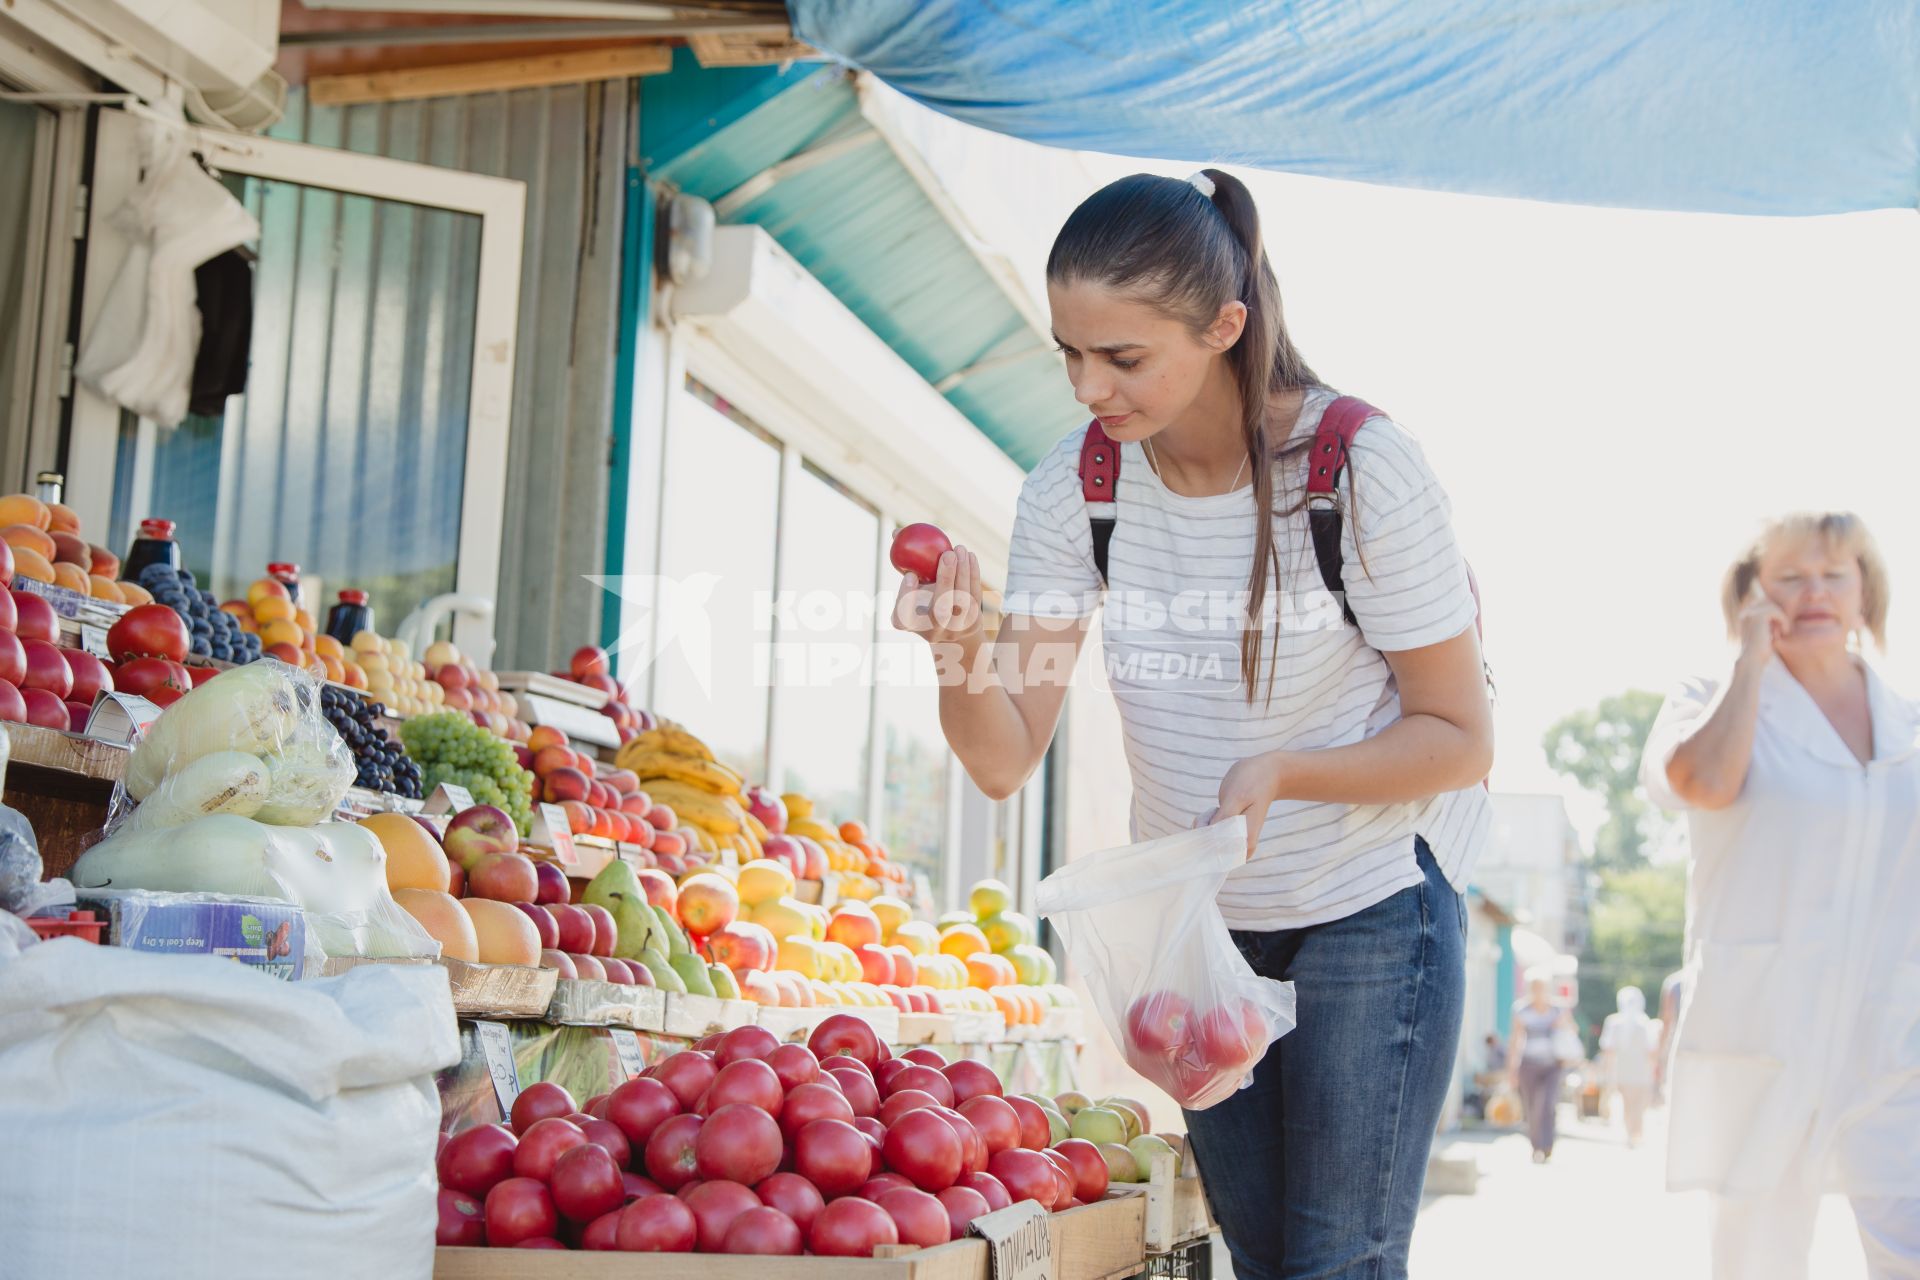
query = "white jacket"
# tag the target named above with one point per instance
(1798, 1060)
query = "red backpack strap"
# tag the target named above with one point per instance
(1327, 459)
(1099, 481)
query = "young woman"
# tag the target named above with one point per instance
(1354, 749)
(1797, 1071)
(1534, 1068)
(1629, 1046)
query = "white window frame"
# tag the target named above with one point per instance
(804, 440)
(499, 203)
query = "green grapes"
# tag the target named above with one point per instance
(450, 747)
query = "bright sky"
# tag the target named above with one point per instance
(1612, 398)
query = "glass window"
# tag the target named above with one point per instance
(717, 563)
(913, 806)
(19, 133)
(347, 453)
(824, 644)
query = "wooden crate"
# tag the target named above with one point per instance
(1100, 1241)
(690, 1017)
(925, 1028)
(1176, 1203)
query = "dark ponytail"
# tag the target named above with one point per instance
(1169, 244)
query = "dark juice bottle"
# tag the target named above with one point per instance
(350, 617)
(155, 545)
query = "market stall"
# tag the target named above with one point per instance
(607, 913)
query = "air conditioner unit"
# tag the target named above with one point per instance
(214, 56)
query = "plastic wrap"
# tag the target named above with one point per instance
(1142, 927)
(253, 742)
(268, 934)
(224, 1123)
(234, 783)
(20, 865)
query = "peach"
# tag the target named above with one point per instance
(546, 735)
(62, 519)
(707, 903)
(567, 783)
(104, 562)
(69, 549)
(105, 588)
(547, 759)
(24, 508)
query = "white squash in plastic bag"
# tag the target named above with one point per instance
(225, 782)
(336, 872)
(252, 708)
(308, 776)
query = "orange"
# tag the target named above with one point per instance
(24, 508)
(305, 620)
(963, 940)
(73, 578)
(1008, 1009)
(853, 833)
(281, 631)
(273, 609)
(106, 589)
(414, 858)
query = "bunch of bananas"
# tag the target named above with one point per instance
(678, 770)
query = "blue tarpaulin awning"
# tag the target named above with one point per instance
(1730, 106)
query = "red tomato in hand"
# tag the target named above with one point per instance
(917, 550)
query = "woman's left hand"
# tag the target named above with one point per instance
(1249, 788)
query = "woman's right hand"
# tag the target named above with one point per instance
(1761, 623)
(947, 611)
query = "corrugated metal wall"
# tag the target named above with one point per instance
(570, 146)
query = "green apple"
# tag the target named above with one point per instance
(1098, 1125)
(989, 898)
(1145, 1147)
(1071, 1102)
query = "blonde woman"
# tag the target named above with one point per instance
(1797, 1071)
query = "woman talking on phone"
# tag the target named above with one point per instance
(1797, 1069)
(1351, 728)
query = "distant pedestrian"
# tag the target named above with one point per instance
(1672, 988)
(1627, 1049)
(1534, 1062)
(1797, 1071)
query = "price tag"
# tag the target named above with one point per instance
(94, 640)
(120, 717)
(448, 797)
(1019, 1242)
(633, 1059)
(559, 833)
(496, 1043)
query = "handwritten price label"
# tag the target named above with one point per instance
(496, 1045)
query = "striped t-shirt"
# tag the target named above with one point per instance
(1178, 571)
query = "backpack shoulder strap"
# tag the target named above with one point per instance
(1099, 481)
(1332, 441)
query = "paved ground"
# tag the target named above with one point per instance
(1598, 1212)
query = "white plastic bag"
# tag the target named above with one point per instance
(1144, 931)
(183, 1116)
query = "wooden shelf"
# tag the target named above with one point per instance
(68, 753)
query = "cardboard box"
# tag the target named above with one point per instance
(264, 933)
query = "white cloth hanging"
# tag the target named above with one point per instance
(140, 351)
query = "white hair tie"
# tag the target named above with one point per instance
(1202, 183)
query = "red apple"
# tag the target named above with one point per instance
(769, 808)
(474, 833)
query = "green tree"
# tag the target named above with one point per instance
(1635, 937)
(1600, 749)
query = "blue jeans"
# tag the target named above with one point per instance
(1315, 1169)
